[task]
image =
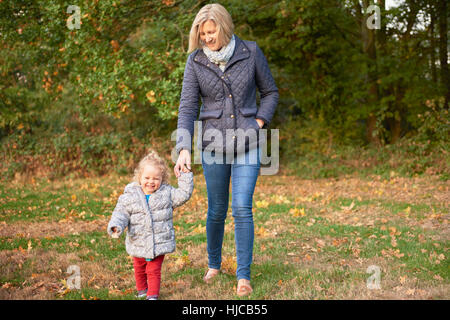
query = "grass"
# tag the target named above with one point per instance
(314, 239)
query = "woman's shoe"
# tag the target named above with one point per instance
(244, 288)
(210, 274)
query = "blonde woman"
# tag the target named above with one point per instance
(224, 72)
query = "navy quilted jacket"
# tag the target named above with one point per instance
(228, 98)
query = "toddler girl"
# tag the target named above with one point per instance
(146, 208)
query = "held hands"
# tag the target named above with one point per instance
(183, 163)
(184, 158)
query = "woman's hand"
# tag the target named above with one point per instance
(183, 162)
(260, 122)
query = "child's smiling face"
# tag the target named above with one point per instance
(151, 179)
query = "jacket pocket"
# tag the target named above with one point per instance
(249, 120)
(210, 114)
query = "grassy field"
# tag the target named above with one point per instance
(315, 239)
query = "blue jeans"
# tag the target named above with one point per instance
(243, 171)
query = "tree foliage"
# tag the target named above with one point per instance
(126, 63)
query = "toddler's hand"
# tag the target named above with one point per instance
(115, 233)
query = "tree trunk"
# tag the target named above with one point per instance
(443, 54)
(393, 123)
(433, 45)
(368, 37)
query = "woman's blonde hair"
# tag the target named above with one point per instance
(221, 18)
(152, 158)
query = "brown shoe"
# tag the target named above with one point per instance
(244, 288)
(210, 274)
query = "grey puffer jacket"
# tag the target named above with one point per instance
(150, 225)
(228, 97)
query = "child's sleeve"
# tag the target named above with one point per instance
(184, 191)
(120, 216)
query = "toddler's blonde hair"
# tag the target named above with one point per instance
(152, 158)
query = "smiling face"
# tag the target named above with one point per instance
(209, 34)
(151, 179)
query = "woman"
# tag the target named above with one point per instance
(224, 71)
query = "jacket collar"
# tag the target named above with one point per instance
(241, 52)
(135, 188)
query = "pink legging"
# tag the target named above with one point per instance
(148, 274)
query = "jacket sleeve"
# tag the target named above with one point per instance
(120, 216)
(183, 193)
(267, 88)
(188, 109)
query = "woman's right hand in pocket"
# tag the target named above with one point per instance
(183, 162)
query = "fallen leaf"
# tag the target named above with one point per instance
(438, 277)
(262, 232)
(320, 243)
(199, 229)
(115, 292)
(296, 212)
(262, 204)
(7, 285)
(410, 292)
(421, 238)
(91, 280)
(229, 264)
(278, 199)
(393, 242)
(349, 208)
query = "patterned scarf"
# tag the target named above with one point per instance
(222, 56)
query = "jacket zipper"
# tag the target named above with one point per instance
(151, 220)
